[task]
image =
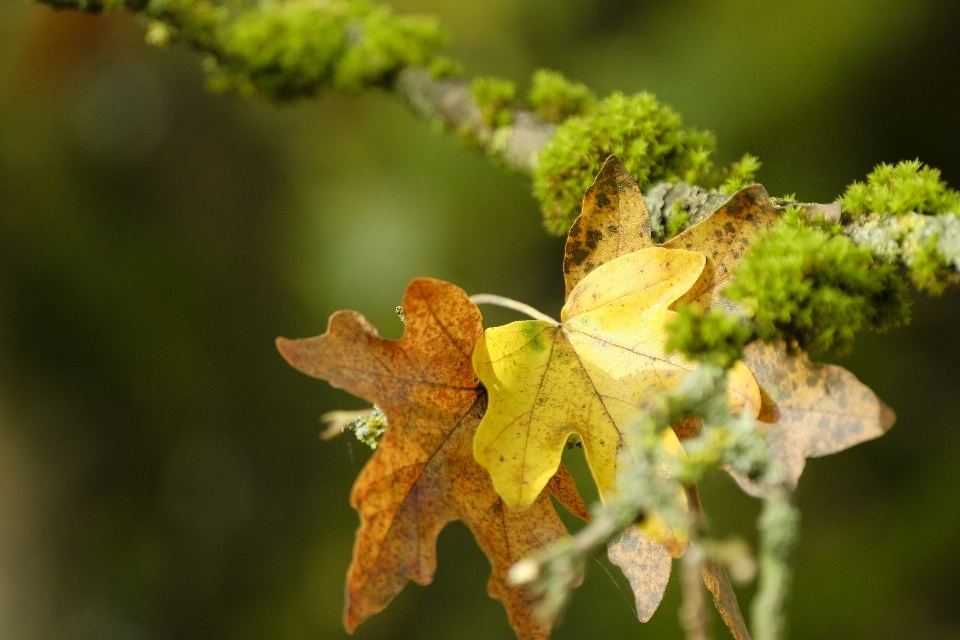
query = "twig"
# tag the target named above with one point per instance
(451, 102)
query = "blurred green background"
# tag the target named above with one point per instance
(160, 471)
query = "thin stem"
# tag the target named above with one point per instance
(500, 301)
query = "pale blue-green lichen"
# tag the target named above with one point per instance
(928, 246)
(368, 429)
(692, 204)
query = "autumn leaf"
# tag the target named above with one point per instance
(423, 475)
(812, 409)
(614, 221)
(723, 237)
(646, 564)
(586, 376)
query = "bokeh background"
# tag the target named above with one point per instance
(160, 471)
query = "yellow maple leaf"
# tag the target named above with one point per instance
(587, 376)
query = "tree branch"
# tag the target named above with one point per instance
(451, 102)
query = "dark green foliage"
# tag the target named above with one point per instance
(814, 290)
(554, 98)
(648, 137)
(711, 336)
(494, 96)
(910, 186)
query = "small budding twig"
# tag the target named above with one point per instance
(507, 303)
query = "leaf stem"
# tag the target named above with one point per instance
(500, 301)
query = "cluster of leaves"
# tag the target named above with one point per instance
(907, 187)
(477, 420)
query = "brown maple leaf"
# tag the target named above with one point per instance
(423, 474)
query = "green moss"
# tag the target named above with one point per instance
(814, 290)
(494, 97)
(294, 49)
(386, 44)
(444, 67)
(741, 174)
(554, 98)
(795, 216)
(676, 221)
(648, 137)
(712, 336)
(908, 187)
(282, 51)
(928, 270)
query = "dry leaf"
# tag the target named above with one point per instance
(813, 409)
(423, 475)
(717, 582)
(614, 222)
(647, 566)
(723, 237)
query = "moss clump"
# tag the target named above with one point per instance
(494, 97)
(908, 187)
(444, 67)
(814, 290)
(648, 137)
(282, 51)
(712, 336)
(795, 216)
(554, 98)
(741, 174)
(676, 221)
(386, 44)
(288, 50)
